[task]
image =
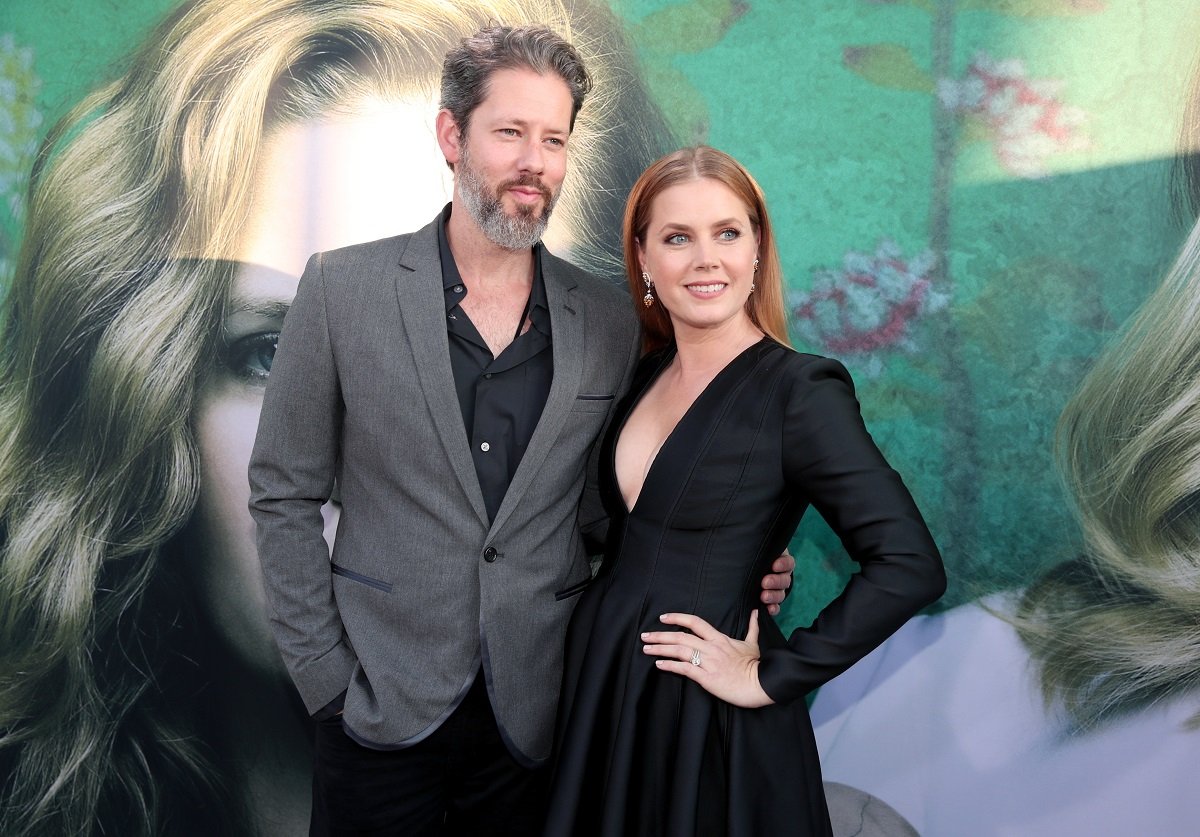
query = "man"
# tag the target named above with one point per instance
(453, 381)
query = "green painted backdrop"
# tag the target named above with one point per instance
(970, 198)
(998, 170)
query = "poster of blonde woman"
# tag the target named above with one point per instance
(170, 213)
(973, 204)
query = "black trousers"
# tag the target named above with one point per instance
(460, 781)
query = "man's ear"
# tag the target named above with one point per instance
(449, 137)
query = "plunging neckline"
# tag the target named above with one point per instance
(653, 461)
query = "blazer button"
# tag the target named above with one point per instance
(489, 554)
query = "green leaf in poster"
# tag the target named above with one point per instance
(683, 105)
(887, 65)
(20, 125)
(925, 5)
(687, 27)
(1035, 8)
(903, 400)
(975, 129)
(1035, 324)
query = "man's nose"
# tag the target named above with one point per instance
(533, 157)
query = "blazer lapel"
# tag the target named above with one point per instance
(567, 346)
(423, 308)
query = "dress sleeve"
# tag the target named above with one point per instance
(832, 462)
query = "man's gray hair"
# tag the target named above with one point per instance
(468, 67)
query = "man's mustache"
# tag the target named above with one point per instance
(528, 181)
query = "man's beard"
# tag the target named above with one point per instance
(512, 232)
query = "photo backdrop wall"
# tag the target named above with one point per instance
(971, 198)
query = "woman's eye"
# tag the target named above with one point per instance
(251, 356)
(728, 235)
(677, 238)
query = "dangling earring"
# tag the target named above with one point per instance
(648, 299)
(756, 271)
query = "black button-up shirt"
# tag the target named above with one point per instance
(501, 398)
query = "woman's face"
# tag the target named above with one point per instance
(320, 185)
(699, 249)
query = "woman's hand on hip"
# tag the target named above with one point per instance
(725, 667)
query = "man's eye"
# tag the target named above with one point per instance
(251, 356)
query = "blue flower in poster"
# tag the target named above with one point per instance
(871, 305)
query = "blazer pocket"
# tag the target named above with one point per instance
(573, 590)
(593, 403)
(338, 569)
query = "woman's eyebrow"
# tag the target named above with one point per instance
(684, 227)
(258, 290)
(261, 306)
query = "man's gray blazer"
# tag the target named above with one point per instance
(421, 588)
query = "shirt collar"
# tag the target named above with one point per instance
(455, 290)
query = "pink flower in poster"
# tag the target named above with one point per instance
(1024, 118)
(870, 305)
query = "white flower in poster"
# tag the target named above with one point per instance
(1025, 119)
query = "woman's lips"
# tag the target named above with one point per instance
(707, 289)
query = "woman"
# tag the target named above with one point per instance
(726, 437)
(1069, 707)
(172, 211)
(1116, 630)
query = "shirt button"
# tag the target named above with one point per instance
(485, 447)
(487, 375)
(457, 289)
(489, 554)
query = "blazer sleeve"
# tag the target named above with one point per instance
(291, 474)
(832, 462)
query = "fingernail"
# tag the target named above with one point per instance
(645, 635)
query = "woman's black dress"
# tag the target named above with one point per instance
(644, 752)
